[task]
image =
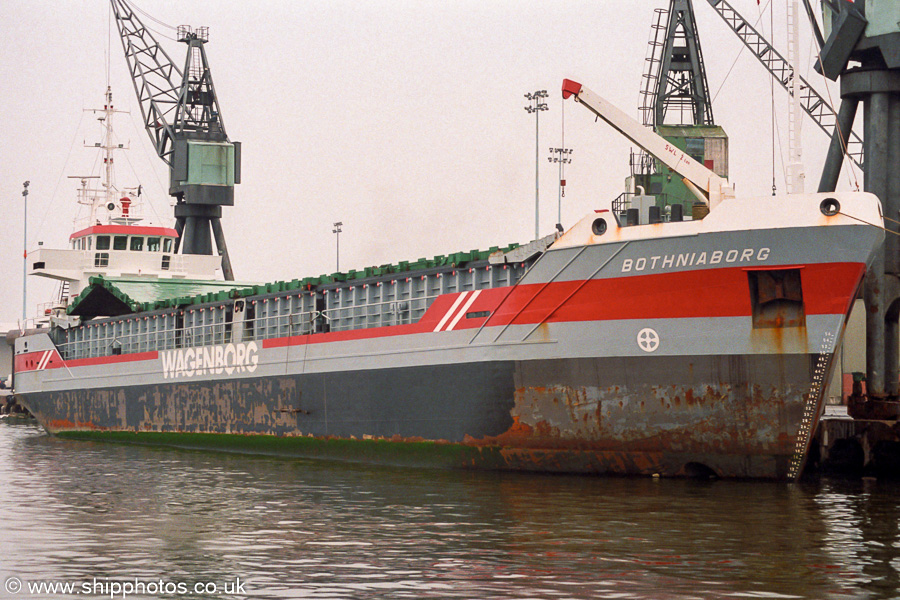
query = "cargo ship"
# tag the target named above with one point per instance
(621, 345)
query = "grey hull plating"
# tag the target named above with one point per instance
(735, 415)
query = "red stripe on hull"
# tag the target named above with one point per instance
(31, 360)
(827, 289)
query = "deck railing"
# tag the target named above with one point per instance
(385, 303)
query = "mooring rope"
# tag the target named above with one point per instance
(891, 220)
(872, 224)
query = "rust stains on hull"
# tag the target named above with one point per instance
(669, 416)
(662, 430)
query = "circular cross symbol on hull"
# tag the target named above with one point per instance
(648, 339)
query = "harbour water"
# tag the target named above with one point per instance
(107, 515)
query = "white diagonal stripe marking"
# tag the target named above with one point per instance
(450, 312)
(463, 311)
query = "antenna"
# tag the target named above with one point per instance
(25, 253)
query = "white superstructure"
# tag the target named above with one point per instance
(109, 241)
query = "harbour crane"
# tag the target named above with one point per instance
(676, 104)
(811, 101)
(181, 114)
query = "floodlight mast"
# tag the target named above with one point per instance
(181, 114)
(706, 185)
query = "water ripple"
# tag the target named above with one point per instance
(305, 529)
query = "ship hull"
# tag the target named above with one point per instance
(641, 415)
(706, 351)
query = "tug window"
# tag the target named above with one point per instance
(153, 244)
(167, 245)
(120, 242)
(137, 243)
(102, 242)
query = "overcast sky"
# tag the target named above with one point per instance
(405, 120)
